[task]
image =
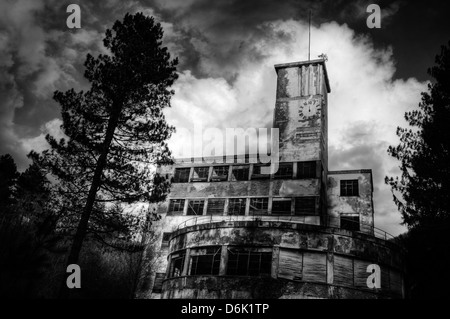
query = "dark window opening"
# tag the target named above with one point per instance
(216, 206)
(208, 263)
(176, 265)
(195, 207)
(176, 206)
(220, 173)
(236, 206)
(157, 285)
(305, 205)
(257, 171)
(306, 170)
(350, 222)
(259, 206)
(181, 175)
(240, 173)
(281, 207)
(247, 263)
(285, 170)
(349, 187)
(165, 240)
(200, 174)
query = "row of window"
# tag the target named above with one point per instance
(206, 261)
(242, 172)
(305, 205)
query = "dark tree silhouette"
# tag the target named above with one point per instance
(116, 131)
(422, 193)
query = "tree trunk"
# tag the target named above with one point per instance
(84, 220)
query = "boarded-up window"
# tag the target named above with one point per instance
(349, 187)
(236, 206)
(281, 206)
(181, 175)
(306, 170)
(350, 222)
(259, 206)
(290, 264)
(219, 173)
(195, 207)
(305, 205)
(285, 170)
(249, 263)
(200, 174)
(258, 171)
(205, 261)
(314, 267)
(343, 271)
(240, 173)
(176, 207)
(216, 206)
(157, 285)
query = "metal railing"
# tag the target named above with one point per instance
(330, 221)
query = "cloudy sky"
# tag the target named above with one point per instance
(227, 50)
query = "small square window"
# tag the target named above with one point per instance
(349, 187)
(306, 170)
(281, 206)
(305, 205)
(350, 222)
(240, 173)
(236, 206)
(176, 207)
(285, 170)
(200, 174)
(220, 173)
(216, 206)
(195, 207)
(259, 206)
(181, 175)
(257, 171)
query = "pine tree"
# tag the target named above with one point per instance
(116, 130)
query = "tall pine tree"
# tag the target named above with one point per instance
(116, 130)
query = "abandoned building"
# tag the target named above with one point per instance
(230, 231)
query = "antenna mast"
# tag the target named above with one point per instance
(309, 45)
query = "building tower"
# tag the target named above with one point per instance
(230, 231)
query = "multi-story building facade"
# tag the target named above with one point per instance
(230, 231)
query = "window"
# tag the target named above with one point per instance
(285, 170)
(281, 206)
(350, 222)
(165, 240)
(195, 207)
(306, 170)
(176, 207)
(249, 263)
(259, 206)
(236, 206)
(176, 265)
(181, 175)
(200, 174)
(205, 261)
(349, 187)
(215, 206)
(220, 173)
(157, 285)
(240, 173)
(257, 172)
(305, 205)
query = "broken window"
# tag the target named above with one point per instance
(240, 173)
(216, 206)
(176, 207)
(259, 206)
(220, 173)
(236, 206)
(306, 170)
(350, 222)
(349, 187)
(176, 264)
(181, 175)
(305, 205)
(205, 261)
(285, 170)
(195, 207)
(200, 174)
(257, 171)
(281, 206)
(248, 263)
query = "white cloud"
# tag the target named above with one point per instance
(363, 93)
